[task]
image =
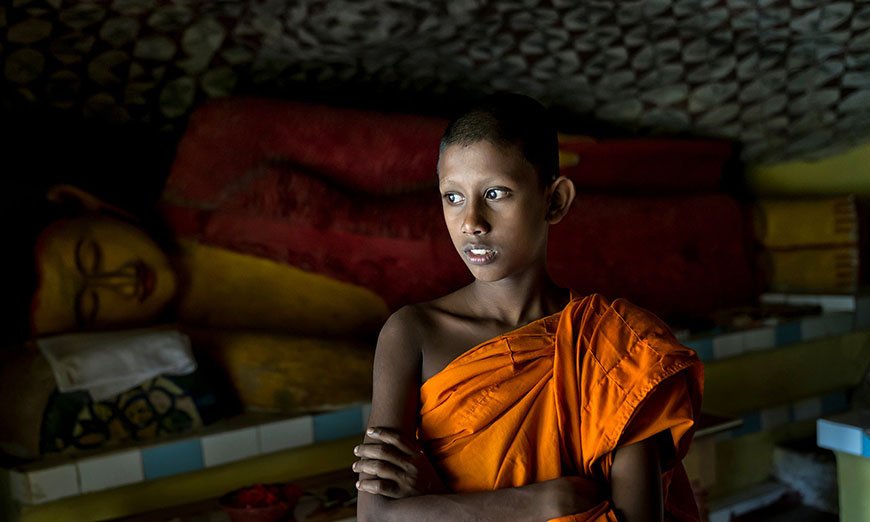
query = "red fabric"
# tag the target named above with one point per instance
(648, 165)
(352, 195)
(232, 137)
(675, 255)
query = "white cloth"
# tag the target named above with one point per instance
(108, 363)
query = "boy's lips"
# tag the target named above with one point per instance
(479, 254)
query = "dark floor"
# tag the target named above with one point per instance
(787, 509)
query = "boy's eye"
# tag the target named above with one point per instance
(453, 198)
(496, 193)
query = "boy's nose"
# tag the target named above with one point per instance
(473, 222)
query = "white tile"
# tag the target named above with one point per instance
(837, 324)
(229, 447)
(111, 471)
(759, 339)
(773, 417)
(807, 409)
(18, 487)
(366, 412)
(53, 483)
(281, 435)
(813, 328)
(840, 437)
(723, 436)
(727, 345)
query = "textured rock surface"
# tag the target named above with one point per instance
(788, 78)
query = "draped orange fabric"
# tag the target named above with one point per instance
(556, 397)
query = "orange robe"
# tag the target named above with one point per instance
(556, 397)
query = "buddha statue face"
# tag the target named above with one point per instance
(97, 272)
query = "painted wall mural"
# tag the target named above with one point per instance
(787, 78)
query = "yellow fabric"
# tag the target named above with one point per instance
(844, 173)
(806, 222)
(231, 290)
(823, 270)
(291, 374)
(557, 396)
(568, 159)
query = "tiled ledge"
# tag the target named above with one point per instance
(732, 344)
(42, 482)
(848, 432)
(803, 410)
(53, 479)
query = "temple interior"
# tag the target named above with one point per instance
(215, 205)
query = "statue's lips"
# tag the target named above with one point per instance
(146, 279)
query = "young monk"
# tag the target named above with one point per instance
(511, 398)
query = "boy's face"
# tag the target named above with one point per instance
(495, 209)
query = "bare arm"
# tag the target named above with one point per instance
(395, 397)
(537, 502)
(636, 495)
(636, 480)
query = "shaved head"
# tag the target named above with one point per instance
(509, 120)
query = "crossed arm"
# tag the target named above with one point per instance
(398, 482)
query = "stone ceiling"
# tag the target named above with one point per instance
(789, 79)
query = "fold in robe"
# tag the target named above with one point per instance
(556, 397)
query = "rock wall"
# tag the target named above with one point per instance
(787, 78)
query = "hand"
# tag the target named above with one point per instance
(400, 469)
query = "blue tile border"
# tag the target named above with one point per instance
(837, 436)
(703, 347)
(725, 345)
(834, 402)
(187, 455)
(789, 333)
(751, 424)
(754, 422)
(337, 425)
(847, 432)
(172, 459)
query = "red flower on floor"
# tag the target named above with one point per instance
(258, 495)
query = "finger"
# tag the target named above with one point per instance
(380, 469)
(381, 487)
(391, 436)
(383, 452)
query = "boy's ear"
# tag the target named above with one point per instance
(65, 194)
(561, 195)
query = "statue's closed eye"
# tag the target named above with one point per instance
(88, 256)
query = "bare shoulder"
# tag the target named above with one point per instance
(404, 326)
(421, 321)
